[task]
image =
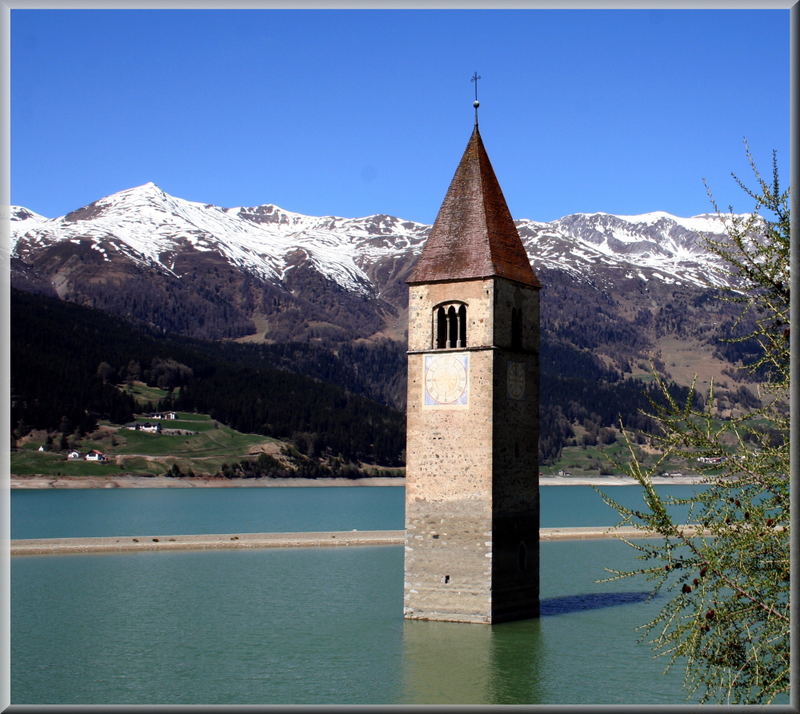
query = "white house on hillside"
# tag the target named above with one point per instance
(146, 426)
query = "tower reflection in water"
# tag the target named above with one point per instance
(458, 663)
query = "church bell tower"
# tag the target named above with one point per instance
(472, 472)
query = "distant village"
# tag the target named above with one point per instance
(153, 428)
(152, 425)
(708, 460)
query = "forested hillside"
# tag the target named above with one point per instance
(342, 399)
(65, 360)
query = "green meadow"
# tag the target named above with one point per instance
(144, 394)
(140, 453)
(608, 459)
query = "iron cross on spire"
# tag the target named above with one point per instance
(476, 103)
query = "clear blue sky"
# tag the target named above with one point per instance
(354, 112)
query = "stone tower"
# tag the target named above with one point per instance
(472, 472)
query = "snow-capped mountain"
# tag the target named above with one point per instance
(22, 220)
(655, 245)
(151, 228)
(272, 274)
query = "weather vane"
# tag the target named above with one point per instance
(476, 103)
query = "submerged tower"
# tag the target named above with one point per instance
(472, 476)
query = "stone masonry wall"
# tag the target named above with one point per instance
(515, 490)
(471, 472)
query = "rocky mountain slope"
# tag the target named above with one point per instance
(627, 288)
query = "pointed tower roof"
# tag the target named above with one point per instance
(474, 235)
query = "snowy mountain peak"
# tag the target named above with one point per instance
(151, 228)
(146, 187)
(148, 194)
(20, 214)
(22, 220)
(267, 213)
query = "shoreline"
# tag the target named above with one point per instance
(65, 482)
(228, 541)
(89, 482)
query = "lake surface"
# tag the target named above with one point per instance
(309, 626)
(318, 626)
(72, 513)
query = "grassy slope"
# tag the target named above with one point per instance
(595, 460)
(142, 393)
(132, 452)
(136, 452)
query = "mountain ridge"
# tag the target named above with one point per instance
(632, 289)
(264, 239)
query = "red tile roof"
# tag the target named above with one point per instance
(474, 235)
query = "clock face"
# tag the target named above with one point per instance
(446, 380)
(515, 380)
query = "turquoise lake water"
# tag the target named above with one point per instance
(54, 513)
(318, 626)
(308, 626)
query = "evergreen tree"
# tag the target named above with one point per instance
(105, 371)
(728, 615)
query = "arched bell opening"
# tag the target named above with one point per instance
(450, 326)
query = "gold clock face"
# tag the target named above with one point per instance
(446, 379)
(515, 380)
